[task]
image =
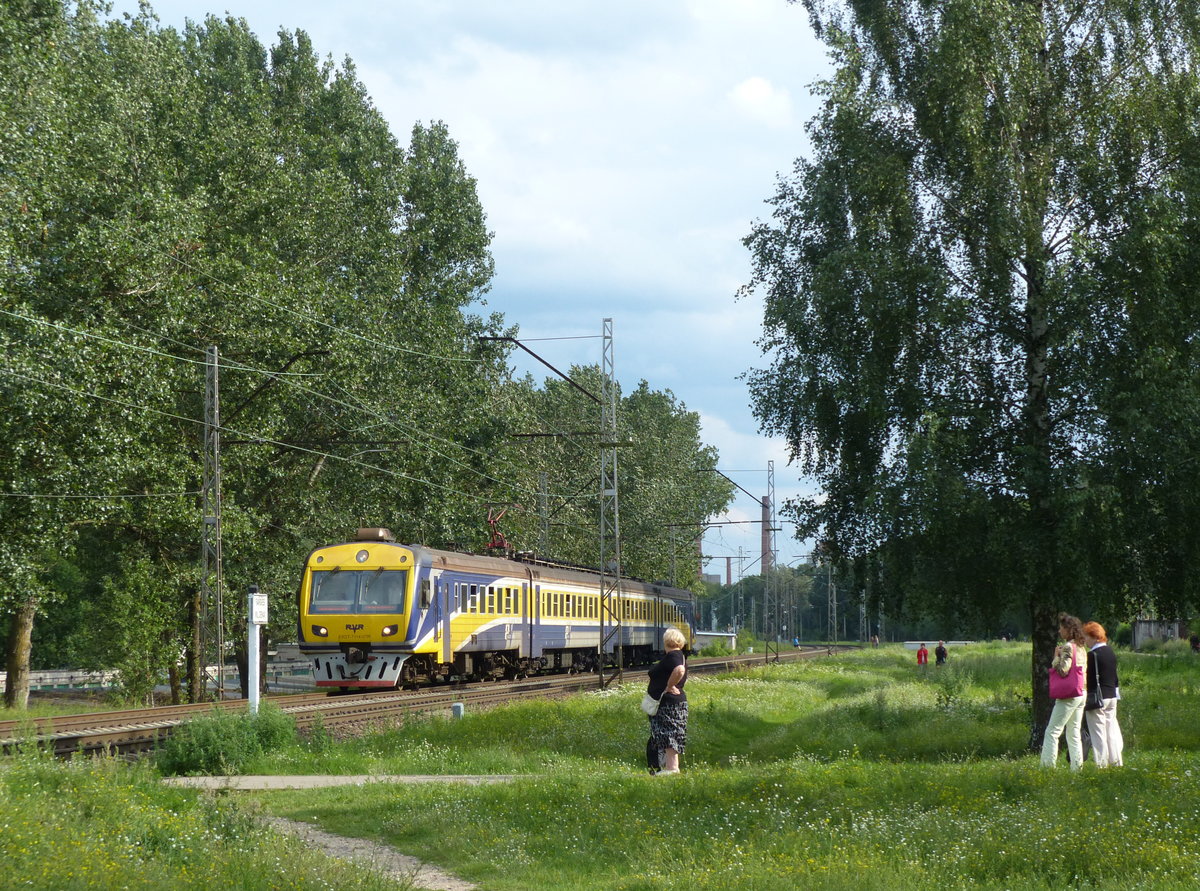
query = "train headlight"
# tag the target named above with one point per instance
(320, 631)
(390, 630)
(362, 556)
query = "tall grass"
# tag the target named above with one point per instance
(852, 772)
(104, 824)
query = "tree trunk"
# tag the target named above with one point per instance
(1045, 636)
(20, 644)
(175, 682)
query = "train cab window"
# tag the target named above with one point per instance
(333, 591)
(426, 593)
(351, 591)
(383, 591)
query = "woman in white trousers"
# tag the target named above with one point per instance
(1108, 745)
(1070, 663)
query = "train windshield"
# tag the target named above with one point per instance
(358, 590)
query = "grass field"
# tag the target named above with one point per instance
(851, 772)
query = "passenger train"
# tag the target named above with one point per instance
(375, 614)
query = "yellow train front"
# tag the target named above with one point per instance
(377, 614)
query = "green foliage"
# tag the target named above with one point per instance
(170, 191)
(979, 309)
(715, 648)
(224, 742)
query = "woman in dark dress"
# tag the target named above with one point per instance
(668, 727)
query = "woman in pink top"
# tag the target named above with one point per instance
(1070, 662)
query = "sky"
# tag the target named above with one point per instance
(622, 151)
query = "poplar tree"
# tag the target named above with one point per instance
(979, 309)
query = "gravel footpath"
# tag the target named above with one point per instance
(382, 857)
(387, 860)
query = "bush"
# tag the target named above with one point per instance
(224, 742)
(1176, 647)
(716, 648)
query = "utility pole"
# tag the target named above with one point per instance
(610, 518)
(833, 628)
(212, 598)
(771, 593)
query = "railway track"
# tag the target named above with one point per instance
(135, 731)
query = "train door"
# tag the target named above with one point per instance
(445, 598)
(535, 622)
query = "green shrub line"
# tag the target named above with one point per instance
(856, 771)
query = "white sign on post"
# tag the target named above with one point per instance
(258, 609)
(256, 615)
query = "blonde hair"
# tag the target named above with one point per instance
(673, 639)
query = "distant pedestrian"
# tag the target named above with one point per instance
(668, 726)
(1067, 672)
(922, 657)
(940, 653)
(875, 641)
(1108, 745)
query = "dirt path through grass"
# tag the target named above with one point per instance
(390, 861)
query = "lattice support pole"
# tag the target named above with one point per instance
(212, 594)
(610, 521)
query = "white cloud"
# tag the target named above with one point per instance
(760, 100)
(622, 150)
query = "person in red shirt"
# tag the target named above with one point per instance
(922, 657)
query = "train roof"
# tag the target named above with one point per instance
(543, 570)
(524, 564)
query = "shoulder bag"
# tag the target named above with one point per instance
(1070, 686)
(650, 704)
(1095, 696)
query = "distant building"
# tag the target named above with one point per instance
(1156, 629)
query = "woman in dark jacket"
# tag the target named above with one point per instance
(1108, 745)
(668, 726)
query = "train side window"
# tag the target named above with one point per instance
(473, 601)
(508, 601)
(426, 599)
(568, 603)
(490, 606)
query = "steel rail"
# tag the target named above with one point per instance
(133, 731)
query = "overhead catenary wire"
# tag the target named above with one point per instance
(285, 376)
(261, 439)
(105, 497)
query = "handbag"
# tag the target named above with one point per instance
(1095, 696)
(1070, 686)
(650, 704)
